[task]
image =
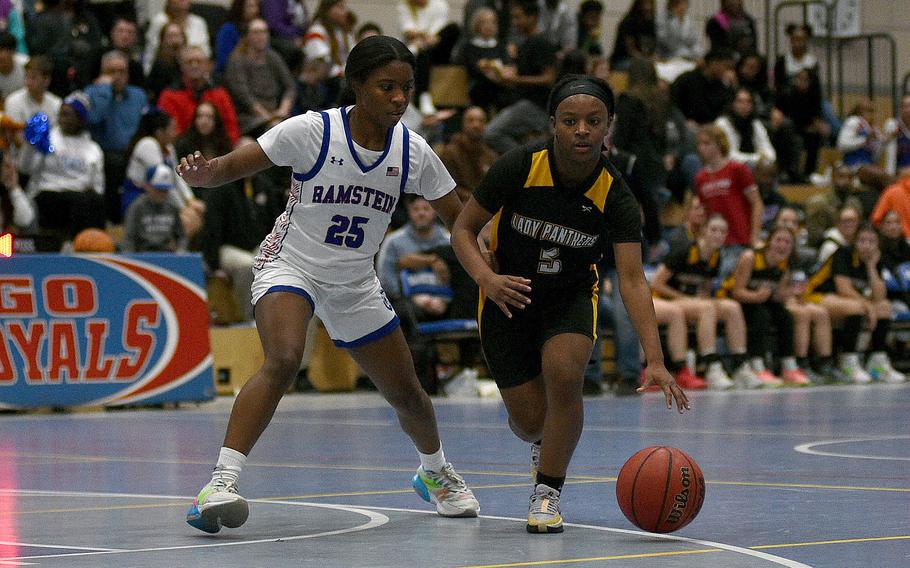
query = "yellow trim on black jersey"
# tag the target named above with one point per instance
(494, 243)
(540, 174)
(759, 262)
(822, 275)
(494, 231)
(601, 188)
(726, 287)
(595, 298)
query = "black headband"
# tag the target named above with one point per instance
(580, 86)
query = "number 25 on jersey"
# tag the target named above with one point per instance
(347, 232)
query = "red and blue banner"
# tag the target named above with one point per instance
(103, 330)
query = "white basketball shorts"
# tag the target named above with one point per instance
(354, 313)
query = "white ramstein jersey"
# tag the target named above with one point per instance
(340, 201)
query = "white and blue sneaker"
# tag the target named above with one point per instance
(447, 490)
(218, 504)
(879, 368)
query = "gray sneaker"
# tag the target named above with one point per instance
(543, 510)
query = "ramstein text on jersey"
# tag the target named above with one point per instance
(354, 195)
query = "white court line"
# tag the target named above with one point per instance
(63, 547)
(729, 547)
(809, 448)
(376, 519)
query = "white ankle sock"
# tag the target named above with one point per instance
(434, 461)
(758, 364)
(789, 364)
(231, 462)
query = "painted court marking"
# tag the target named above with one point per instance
(809, 448)
(376, 519)
(716, 545)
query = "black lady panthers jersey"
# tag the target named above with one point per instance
(551, 233)
(763, 274)
(690, 274)
(844, 262)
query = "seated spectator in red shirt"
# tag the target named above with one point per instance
(181, 103)
(727, 188)
(467, 156)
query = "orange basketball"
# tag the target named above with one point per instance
(660, 489)
(93, 240)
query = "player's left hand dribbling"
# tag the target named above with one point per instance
(659, 376)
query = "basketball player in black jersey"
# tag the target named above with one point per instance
(555, 206)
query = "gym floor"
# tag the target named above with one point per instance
(813, 477)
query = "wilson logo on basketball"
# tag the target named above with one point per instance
(681, 499)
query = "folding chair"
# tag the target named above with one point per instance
(437, 331)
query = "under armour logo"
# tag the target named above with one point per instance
(586, 208)
(339, 161)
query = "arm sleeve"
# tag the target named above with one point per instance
(502, 181)
(763, 142)
(881, 208)
(100, 96)
(735, 154)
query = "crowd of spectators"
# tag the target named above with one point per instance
(706, 123)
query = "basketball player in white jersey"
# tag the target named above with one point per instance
(351, 166)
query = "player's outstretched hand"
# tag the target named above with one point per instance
(195, 170)
(660, 376)
(507, 291)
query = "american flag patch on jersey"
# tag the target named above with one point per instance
(391, 171)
